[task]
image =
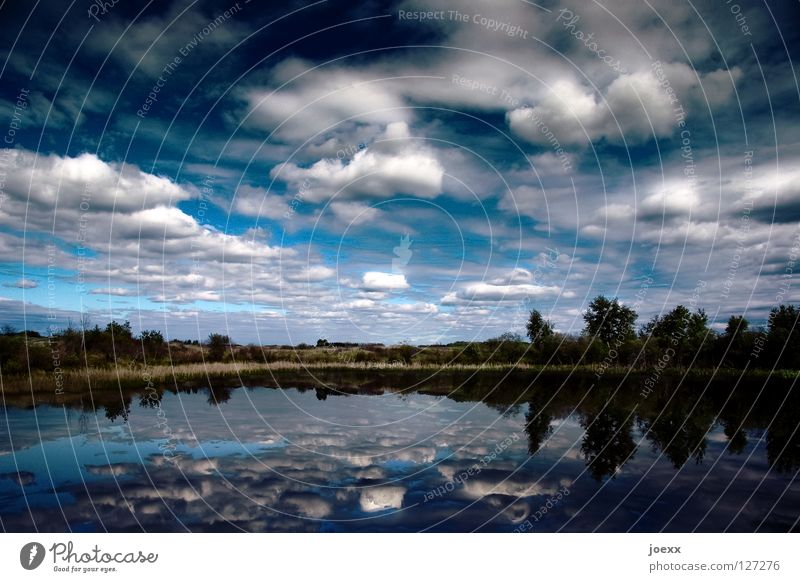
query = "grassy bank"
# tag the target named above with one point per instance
(350, 374)
(106, 378)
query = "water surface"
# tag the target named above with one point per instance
(265, 459)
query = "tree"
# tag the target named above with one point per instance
(538, 328)
(609, 320)
(679, 429)
(783, 442)
(783, 337)
(697, 331)
(735, 345)
(218, 395)
(538, 426)
(469, 354)
(117, 340)
(671, 325)
(217, 345)
(508, 336)
(507, 348)
(737, 326)
(152, 343)
(607, 441)
(119, 330)
(152, 336)
(322, 343)
(406, 353)
(679, 330)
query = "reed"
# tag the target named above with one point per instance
(140, 377)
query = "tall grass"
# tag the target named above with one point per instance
(133, 377)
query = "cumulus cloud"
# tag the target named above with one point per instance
(678, 200)
(305, 101)
(313, 273)
(379, 171)
(776, 193)
(86, 183)
(258, 202)
(378, 281)
(517, 275)
(634, 108)
(133, 236)
(140, 236)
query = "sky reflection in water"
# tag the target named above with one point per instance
(289, 460)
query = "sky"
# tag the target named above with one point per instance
(419, 172)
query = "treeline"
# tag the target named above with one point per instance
(680, 339)
(97, 347)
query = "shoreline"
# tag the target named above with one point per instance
(72, 381)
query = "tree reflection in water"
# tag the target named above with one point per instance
(314, 475)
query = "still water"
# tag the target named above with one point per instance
(264, 459)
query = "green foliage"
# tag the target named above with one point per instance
(403, 353)
(218, 345)
(607, 443)
(677, 339)
(153, 345)
(508, 348)
(18, 356)
(508, 336)
(120, 330)
(469, 354)
(737, 326)
(678, 335)
(538, 328)
(783, 337)
(609, 321)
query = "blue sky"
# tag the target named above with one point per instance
(359, 172)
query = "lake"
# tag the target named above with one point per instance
(575, 458)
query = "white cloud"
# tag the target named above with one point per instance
(634, 108)
(143, 241)
(353, 212)
(480, 487)
(87, 184)
(314, 101)
(361, 304)
(117, 291)
(378, 281)
(489, 292)
(382, 497)
(23, 284)
(676, 200)
(311, 274)
(518, 275)
(549, 164)
(379, 171)
(309, 505)
(258, 202)
(418, 307)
